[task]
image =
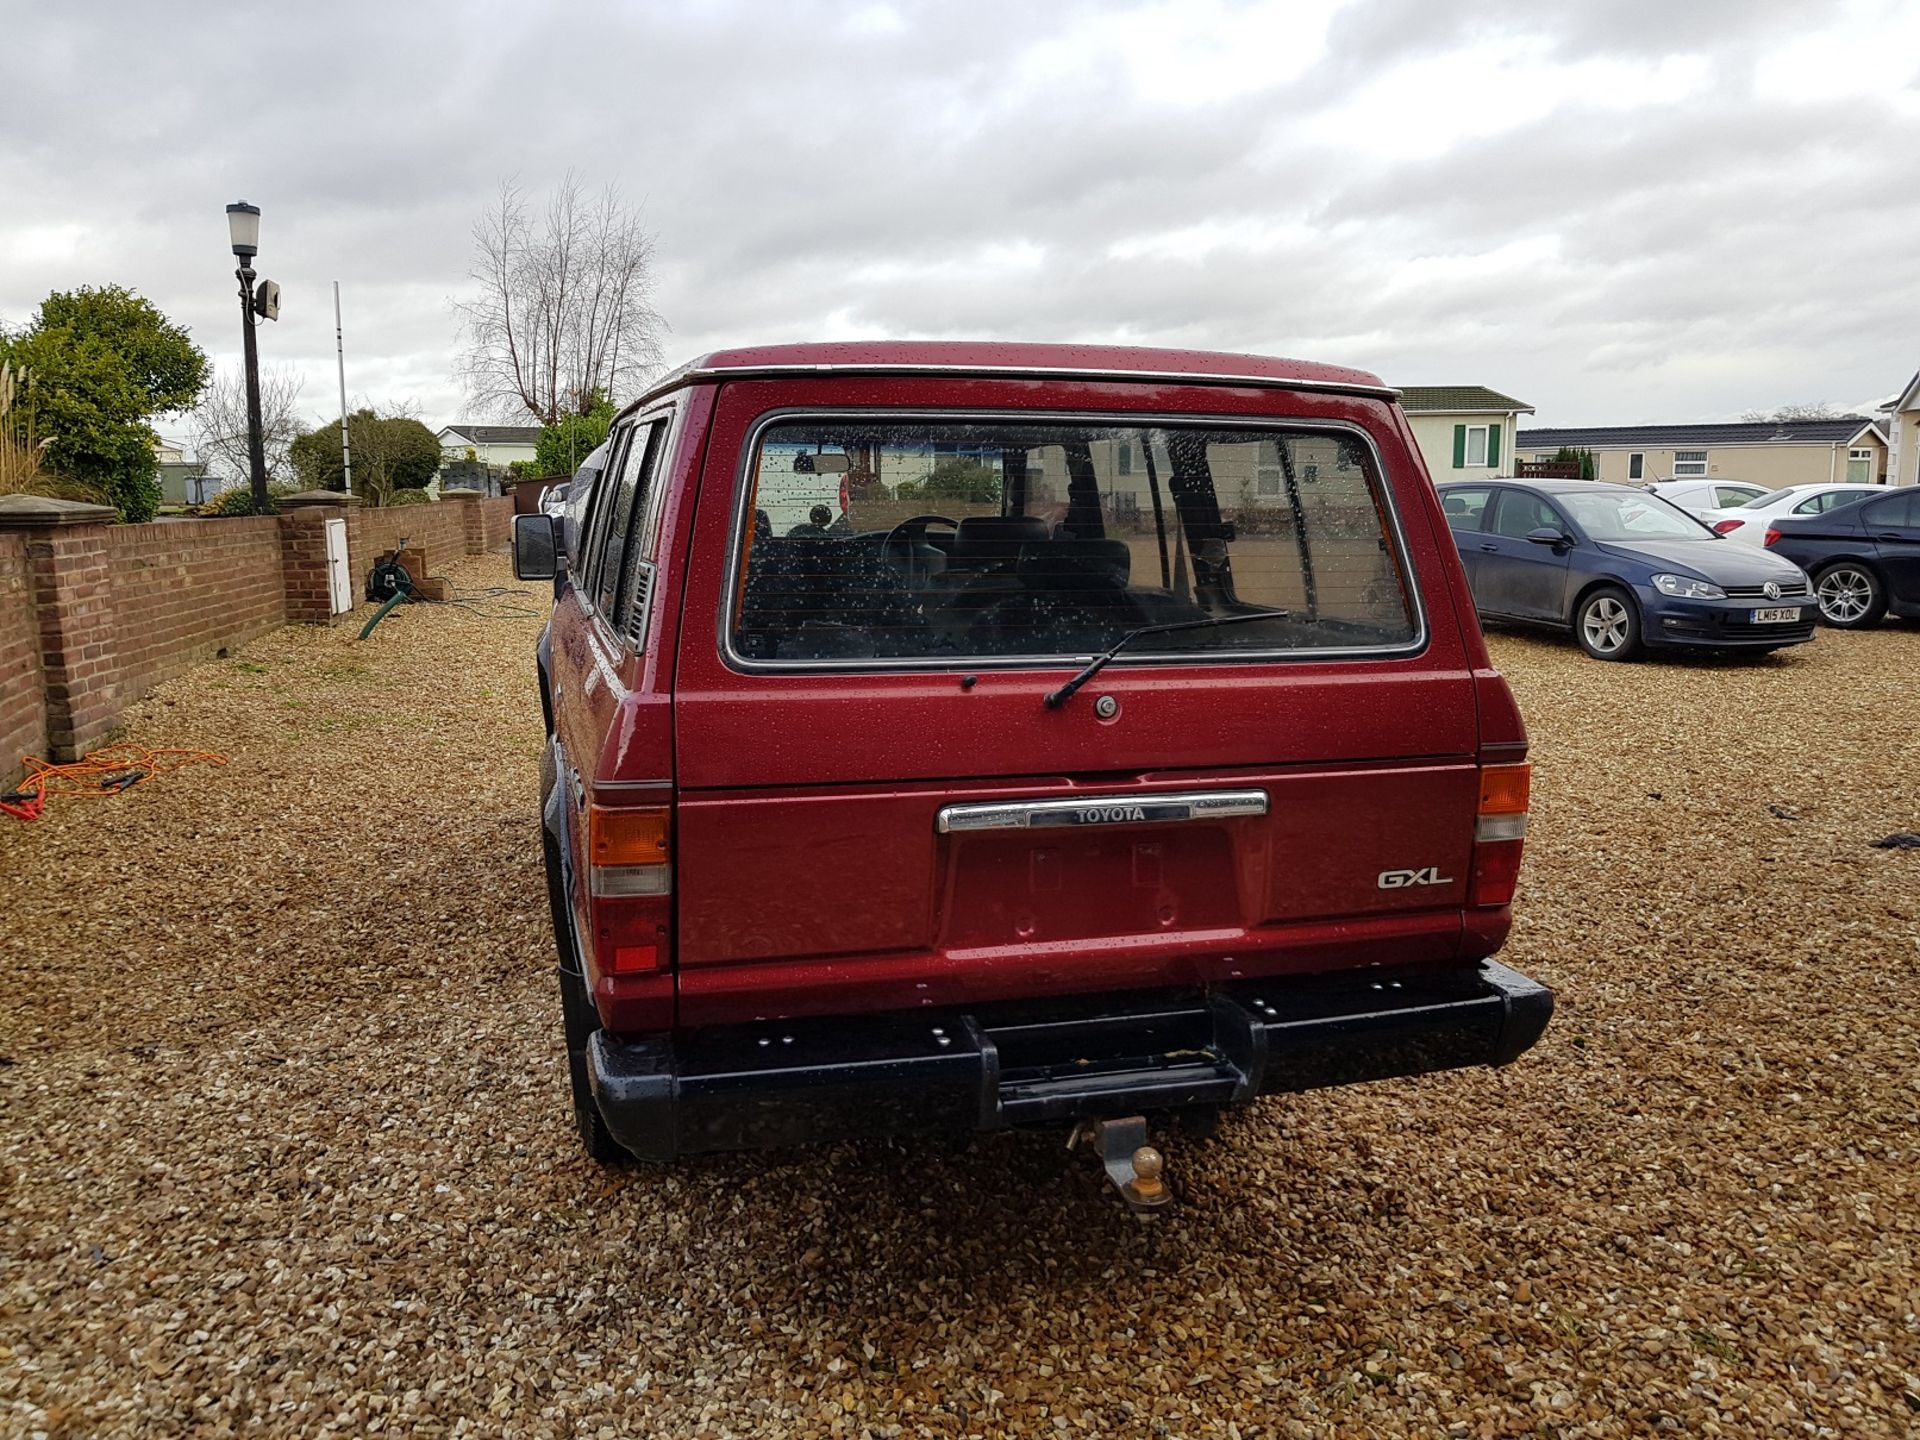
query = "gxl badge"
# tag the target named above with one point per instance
(1400, 879)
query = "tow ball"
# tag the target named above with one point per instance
(1134, 1166)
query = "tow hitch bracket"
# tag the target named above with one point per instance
(1134, 1166)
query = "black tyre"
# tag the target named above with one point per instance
(1607, 625)
(1849, 596)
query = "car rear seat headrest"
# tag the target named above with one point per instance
(1076, 565)
(986, 539)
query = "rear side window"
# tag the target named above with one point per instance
(1730, 497)
(612, 570)
(627, 499)
(942, 540)
(1466, 509)
(1899, 512)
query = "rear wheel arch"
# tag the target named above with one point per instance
(543, 667)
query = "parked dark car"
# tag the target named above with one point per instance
(1864, 557)
(1621, 569)
(836, 841)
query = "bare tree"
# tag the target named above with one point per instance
(220, 423)
(1806, 410)
(563, 306)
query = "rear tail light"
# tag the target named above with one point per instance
(1499, 832)
(1772, 534)
(1727, 527)
(630, 880)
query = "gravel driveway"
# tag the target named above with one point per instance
(284, 1144)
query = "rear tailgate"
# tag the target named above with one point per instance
(858, 840)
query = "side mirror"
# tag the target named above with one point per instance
(1546, 535)
(536, 549)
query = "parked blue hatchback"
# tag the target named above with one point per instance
(1620, 568)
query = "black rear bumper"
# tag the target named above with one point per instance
(797, 1082)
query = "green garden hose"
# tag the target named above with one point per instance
(399, 597)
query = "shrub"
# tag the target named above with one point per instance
(571, 438)
(1589, 467)
(238, 500)
(105, 362)
(409, 497)
(954, 477)
(391, 454)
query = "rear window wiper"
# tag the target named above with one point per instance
(1093, 667)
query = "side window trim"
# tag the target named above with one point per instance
(667, 421)
(656, 434)
(1490, 517)
(623, 500)
(587, 586)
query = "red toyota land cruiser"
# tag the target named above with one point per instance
(973, 735)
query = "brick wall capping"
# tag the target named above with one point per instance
(37, 512)
(460, 493)
(301, 499)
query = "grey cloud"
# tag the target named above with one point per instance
(804, 170)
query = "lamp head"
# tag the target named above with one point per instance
(243, 226)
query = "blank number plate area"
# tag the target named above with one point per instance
(1164, 868)
(1104, 810)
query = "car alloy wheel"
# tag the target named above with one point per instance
(1606, 625)
(1845, 595)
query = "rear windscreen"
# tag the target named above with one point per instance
(934, 540)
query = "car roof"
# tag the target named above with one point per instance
(1015, 359)
(1548, 487)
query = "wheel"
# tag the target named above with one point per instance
(1850, 596)
(1607, 626)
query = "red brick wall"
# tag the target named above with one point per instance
(303, 566)
(184, 589)
(93, 616)
(23, 706)
(439, 528)
(496, 523)
(73, 609)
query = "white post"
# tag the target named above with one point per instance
(340, 349)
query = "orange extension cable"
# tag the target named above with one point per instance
(104, 772)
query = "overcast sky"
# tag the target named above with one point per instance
(1638, 211)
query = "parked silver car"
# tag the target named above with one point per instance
(567, 502)
(1696, 497)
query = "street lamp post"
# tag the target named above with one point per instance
(243, 226)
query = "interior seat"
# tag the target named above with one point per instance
(808, 598)
(982, 541)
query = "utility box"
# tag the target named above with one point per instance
(339, 577)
